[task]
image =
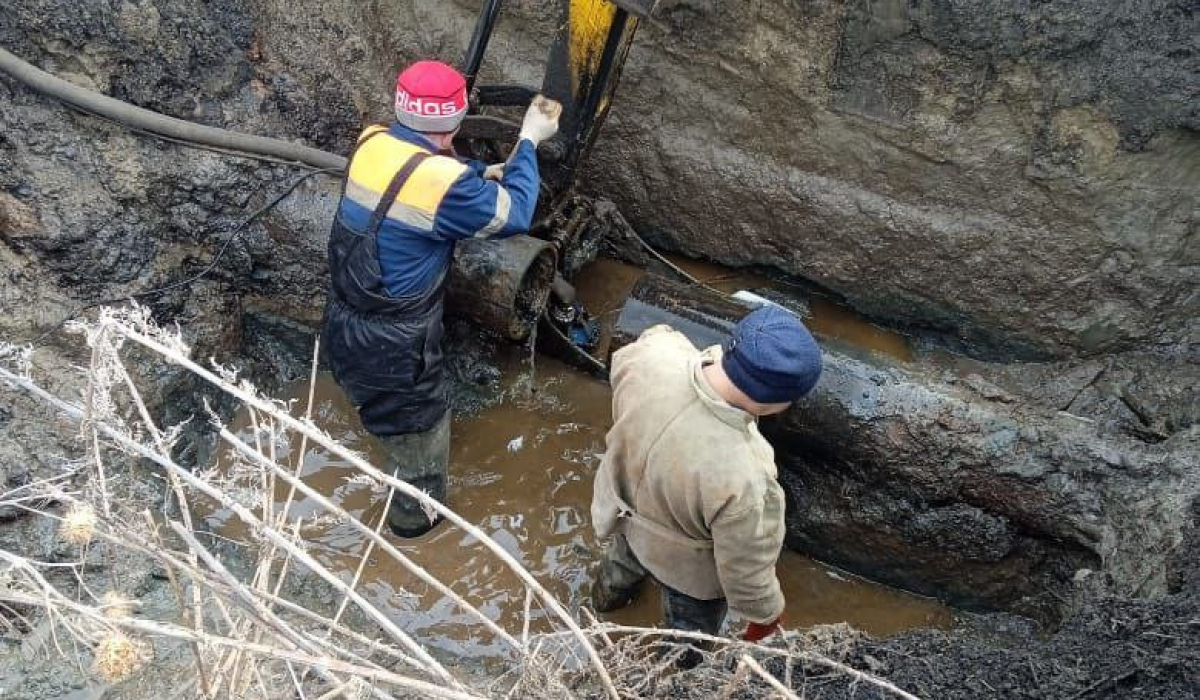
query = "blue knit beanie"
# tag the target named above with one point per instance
(772, 357)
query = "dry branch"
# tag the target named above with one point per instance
(176, 352)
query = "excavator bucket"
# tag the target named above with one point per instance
(582, 72)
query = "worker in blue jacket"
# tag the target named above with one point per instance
(403, 207)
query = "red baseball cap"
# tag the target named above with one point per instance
(431, 97)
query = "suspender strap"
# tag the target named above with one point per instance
(393, 188)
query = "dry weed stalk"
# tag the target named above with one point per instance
(248, 639)
(646, 661)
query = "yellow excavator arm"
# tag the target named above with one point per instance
(582, 72)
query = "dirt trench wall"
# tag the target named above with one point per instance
(1019, 175)
(90, 211)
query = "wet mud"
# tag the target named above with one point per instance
(522, 471)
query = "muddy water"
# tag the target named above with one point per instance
(604, 285)
(522, 471)
(820, 595)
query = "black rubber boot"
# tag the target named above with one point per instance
(618, 578)
(410, 532)
(606, 598)
(421, 459)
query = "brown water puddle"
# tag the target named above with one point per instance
(522, 471)
(820, 595)
(605, 284)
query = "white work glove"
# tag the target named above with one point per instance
(541, 119)
(494, 172)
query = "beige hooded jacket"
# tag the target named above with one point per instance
(689, 480)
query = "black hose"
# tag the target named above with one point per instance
(147, 120)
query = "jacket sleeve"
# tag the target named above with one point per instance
(475, 166)
(747, 538)
(478, 208)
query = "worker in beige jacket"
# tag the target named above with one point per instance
(687, 488)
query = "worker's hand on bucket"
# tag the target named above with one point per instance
(494, 172)
(541, 119)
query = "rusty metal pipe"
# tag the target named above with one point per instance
(503, 285)
(947, 485)
(705, 318)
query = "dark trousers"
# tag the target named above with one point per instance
(422, 459)
(621, 573)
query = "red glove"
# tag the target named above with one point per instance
(756, 632)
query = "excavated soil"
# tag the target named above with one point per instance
(1109, 648)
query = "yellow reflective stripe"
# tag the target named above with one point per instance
(362, 196)
(376, 163)
(429, 184)
(399, 211)
(418, 219)
(373, 129)
(377, 160)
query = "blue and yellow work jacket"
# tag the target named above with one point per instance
(390, 248)
(445, 200)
